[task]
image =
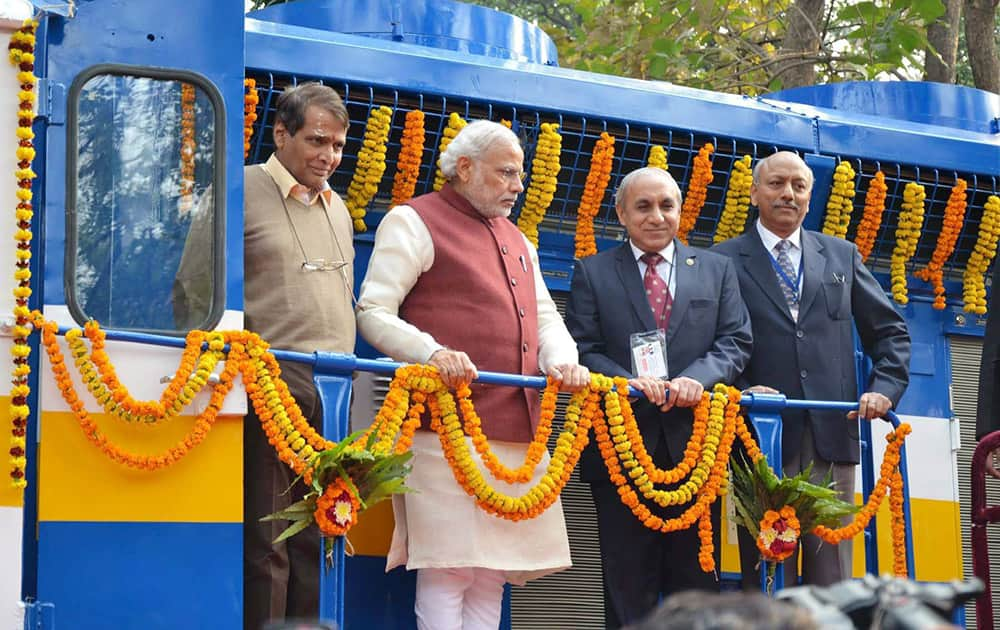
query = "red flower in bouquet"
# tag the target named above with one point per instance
(337, 509)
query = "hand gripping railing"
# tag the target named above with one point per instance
(982, 516)
(332, 375)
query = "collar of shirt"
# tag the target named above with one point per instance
(770, 240)
(292, 189)
(662, 270)
(667, 253)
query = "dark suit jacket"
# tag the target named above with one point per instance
(989, 376)
(708, 337)
(814, 358)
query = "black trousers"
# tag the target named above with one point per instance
(640, 566)
(279, 580)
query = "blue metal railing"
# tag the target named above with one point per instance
(332, 375)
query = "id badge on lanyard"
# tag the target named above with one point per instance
(649, 353)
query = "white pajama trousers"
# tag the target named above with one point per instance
(459, 598)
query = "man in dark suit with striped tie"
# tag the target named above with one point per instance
(806, 293)
(653, 282)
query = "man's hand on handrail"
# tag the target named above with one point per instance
(454, 367)
(679, 392)
(871, 405)
(991, 463)
(572, 376)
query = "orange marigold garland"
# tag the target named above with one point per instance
(455, 124)
(951, 225)
(871, 219)
(187, 148)
(733, 220)
(593, 194)
(370, 166)
(911, 220)
(545, 169)
(250, 100)
(21, 52)
(697, 191)
(411, 154)
(657, 157)
(841, 202)
(973, 280)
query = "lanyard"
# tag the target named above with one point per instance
(785, 279)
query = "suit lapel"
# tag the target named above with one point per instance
(628, 273)
(685, 278)
(758, 263)
(814, 259)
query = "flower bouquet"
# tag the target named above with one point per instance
(776, 511)
(344, 481)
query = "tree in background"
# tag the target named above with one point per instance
(756, 46)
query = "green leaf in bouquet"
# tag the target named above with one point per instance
(385, 490)
(293, 529)
(296, 511)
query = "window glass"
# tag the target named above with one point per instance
(144, 233)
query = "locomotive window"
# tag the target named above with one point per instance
(144, 229)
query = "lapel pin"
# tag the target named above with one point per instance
(839, 278)
(689, 262)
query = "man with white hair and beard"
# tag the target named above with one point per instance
(454, 284)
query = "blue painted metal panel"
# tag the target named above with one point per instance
(443, 24)
(98, 575)
(124, 32)
(930, 371)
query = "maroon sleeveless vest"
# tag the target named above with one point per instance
(479, 297)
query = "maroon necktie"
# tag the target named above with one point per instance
(657, 291)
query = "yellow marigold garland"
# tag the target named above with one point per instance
(733, 220)
(593, 194)
(841, 202)
(954, 216)
(250, 100)
(973, 280)
(411, 154)
(701, 177)
(455, 124)
(187, 147)
(21, 53)
(911, 219)
(545, 169)
(370, 166)
(871, 219)
(657, 157)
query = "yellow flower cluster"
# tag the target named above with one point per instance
(911, 219)
(734, 215)
(701, 177)
(411, 154)
(455, 124)
(250, 100)
(22, 56)
(973, 280)
(840, 204)
(657, 157)
(544, 178)
(370, 167)
(951, 225)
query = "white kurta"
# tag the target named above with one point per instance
(439, 525)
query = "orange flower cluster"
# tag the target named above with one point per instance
(411, 153)
(911, 220)
(890, 481)
(657, 157)
(203, 423)
(841, 202)
(694, 200)
(871, 219)
(536, 449)
(779, 534)
(954, 216)
(336, 509)
(21, 52)
(973, 280)
(250, 100)
(455, 124)
(593, 194)
(187, 148)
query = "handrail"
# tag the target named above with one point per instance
(332, 373)
(981, 516)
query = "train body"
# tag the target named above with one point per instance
(93, 544)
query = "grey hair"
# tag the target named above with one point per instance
(757, 168)
(629, 179)
(472, 141)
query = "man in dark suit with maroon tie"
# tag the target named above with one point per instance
(653, 282)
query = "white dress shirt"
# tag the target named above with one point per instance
(664, 269)
(771, 240)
